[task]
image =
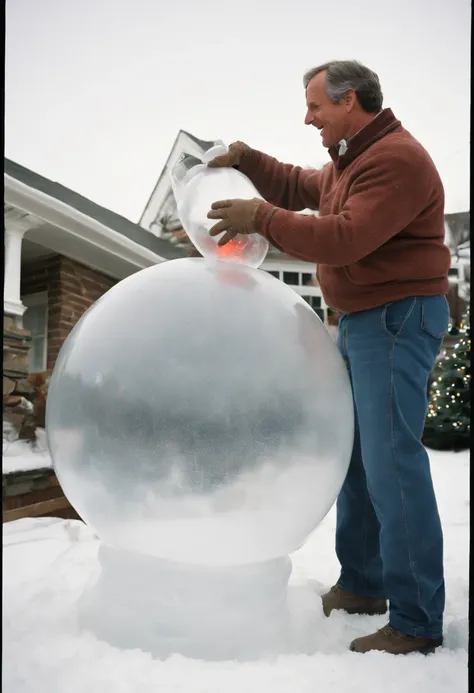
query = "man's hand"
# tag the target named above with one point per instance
(238, 216)
(231, 158)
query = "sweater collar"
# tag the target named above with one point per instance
(383, 123)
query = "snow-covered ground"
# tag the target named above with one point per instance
(48, 561)
(21, 456)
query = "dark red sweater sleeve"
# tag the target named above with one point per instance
(289, 187)
(383, 200)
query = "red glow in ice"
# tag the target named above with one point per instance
(231, 248)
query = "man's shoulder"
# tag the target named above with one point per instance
(400, 145)
(399, 155)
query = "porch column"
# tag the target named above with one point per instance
(12, 304)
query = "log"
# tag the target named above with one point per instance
(36, 509)
(8, 386)
(19, 404)
(23, 387)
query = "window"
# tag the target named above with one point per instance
(453, 272)
(274, 274)
(314, 301)
(320, 313)
(35, 320)
(291, 278)
(306, 278)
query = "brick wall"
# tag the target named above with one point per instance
(72, 288)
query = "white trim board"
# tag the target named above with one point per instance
(59, 214)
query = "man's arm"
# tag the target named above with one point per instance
(286, 186)
(383, 200)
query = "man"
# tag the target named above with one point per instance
(383, 265)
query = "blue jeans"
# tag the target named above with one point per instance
(389, 540)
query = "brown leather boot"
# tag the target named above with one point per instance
(393, 641)
(352, 603)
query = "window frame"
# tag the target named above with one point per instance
(38, 299)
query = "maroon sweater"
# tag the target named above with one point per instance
(379, 236)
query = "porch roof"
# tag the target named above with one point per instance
(110, 219)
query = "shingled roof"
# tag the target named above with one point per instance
(113, 221)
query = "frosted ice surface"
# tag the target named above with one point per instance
(194, 201)
(201, 413)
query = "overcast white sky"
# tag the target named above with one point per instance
(96, 90)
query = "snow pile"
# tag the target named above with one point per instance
(47, 563)
(22, 456)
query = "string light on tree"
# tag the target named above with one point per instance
(448, 420)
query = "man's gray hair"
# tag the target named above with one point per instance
(343, 75)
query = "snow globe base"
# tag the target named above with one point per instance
(141, 602)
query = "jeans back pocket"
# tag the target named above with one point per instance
(435, 316)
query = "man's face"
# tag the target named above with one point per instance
(331, 119)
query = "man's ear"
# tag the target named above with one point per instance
(349, 100)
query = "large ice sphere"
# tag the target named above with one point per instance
(200, 413)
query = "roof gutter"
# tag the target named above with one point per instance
(59, 214)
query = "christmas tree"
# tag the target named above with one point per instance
(449, 408)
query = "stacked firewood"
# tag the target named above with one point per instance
(24, 403)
